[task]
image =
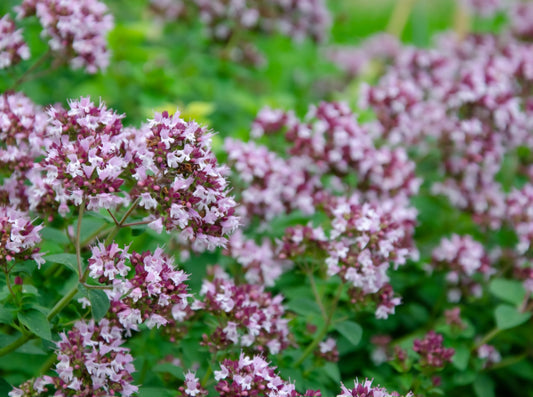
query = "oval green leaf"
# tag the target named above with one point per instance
(351, 331)
(36, 322)
(99, 303)
(509, 317)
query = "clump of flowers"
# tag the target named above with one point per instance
(249, 316)
(328, 350)
(179, 182)
(324, 149)
(13, 48)
(365, 389)
(250, 376)
(22, 139)
(260, 263)
(18, 238)
(365, 239)
(155, 295)
(76, 30)
(84, 159)
(92, 362)
(271, 185)
(432, 353)
(462, 258)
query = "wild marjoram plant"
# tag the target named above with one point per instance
(315, 223)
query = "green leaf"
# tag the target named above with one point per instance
(99, 303)
(351, 331)
(508, 317)
(303, 306)
(36, 322)
(155, 392)
(55, 235)
(484, 386)
(7, 315)
(169, 368)
(5, 387)
(510, 291)
(332, 371)
(461, 357)
(69, 260)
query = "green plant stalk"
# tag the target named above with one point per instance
(317, 295)
(78, 233)
(120, 223)
(320, 336)
(27, 74)
(461, 20)
(507, 362)
(491, 334)
(399, 17)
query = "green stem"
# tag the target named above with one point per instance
(55, 310)
(8, 283)
(63, 302)
(16, 344)
(399, 17)
(317, 295)
(77, 242)
(205, 379)
(508, 361)
(461, 20)
(487, 338)
(120, 224)
(320, 336)
(27, 74)
(102, 229)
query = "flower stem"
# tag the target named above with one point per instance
(77, 242)
(399, 17)
(487, 338)
(120, 223)
(461, 20)
(317, 295)
(27, 74)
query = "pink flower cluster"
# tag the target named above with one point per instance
(521, 16)
(365, 239)
(13, 48)
(249, 316)
(179, 181)
(154, 295)
(22, 139)
(251, 376)
(77, 30)
(91, 363)
(84, 158)
(324, 149)
(260, 263)
(18, 238)
(431, 351)
(469, 102)
(365, 389)
(462, 258)
(83, 155)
